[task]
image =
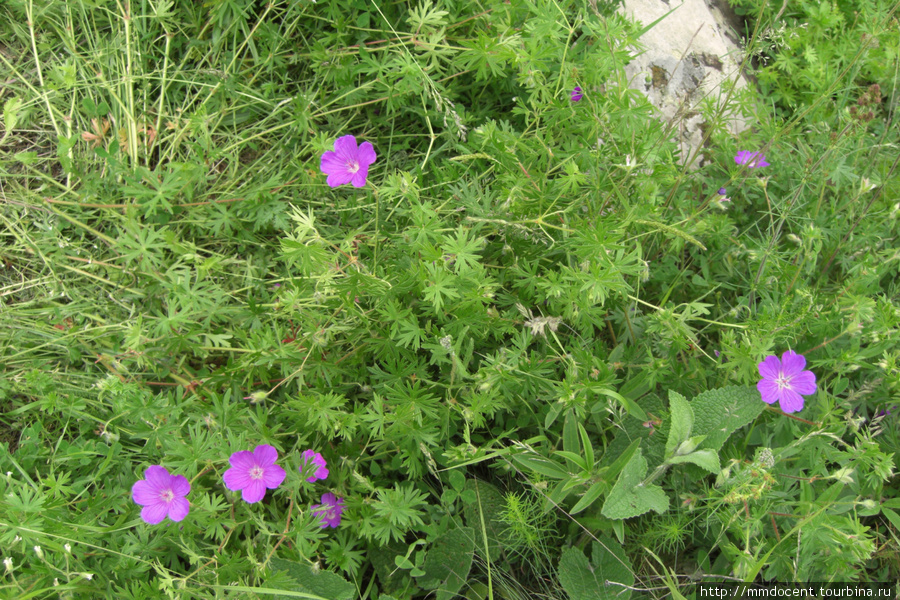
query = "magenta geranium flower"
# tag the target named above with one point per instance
(348, 163)
(785, 381)
(311, 457)
(330, 510)
(162, 495)
(253, 472)
(576, 94)
(753, 160)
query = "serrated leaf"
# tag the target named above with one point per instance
(487, 508)
(719, 413)
(682, 421)
(583, 580)
(577, 576)
(629, 498)
(608, 557)
(707, 459)
(324, 584)
(448, 562)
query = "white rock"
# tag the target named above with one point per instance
(687, 57)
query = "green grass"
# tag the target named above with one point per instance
(481, 342)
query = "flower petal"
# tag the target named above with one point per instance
(242, 460)
(154, 513)
(345, 148)
(178, 509)
(158, 477)
(254, 492)
(366, 155)
(273, 476)
(804, 383)
(237, 479)
(337, 179)
(792, 363)
(791, 401)
(358, 179)
(265, 455)
(768, 389)
(180, 485)
(332, 163)
(143, 493)
(742, 157)
(770, 367)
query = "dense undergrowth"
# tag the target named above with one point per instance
(527, 348)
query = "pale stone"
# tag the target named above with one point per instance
(688, 56)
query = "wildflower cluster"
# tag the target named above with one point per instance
(252, 473)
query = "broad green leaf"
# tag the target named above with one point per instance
(707, 459)
(682, 421)
(629, 498)
(324, 584)
(719, 413)
(583, 580)
(484, 515)
(448, 562)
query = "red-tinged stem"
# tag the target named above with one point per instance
(781, 412)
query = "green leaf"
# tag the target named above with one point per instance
(630, 405)
(448, 562)
(719, 413)
(576, 459)
(488, 508)
(457, 480)
(707, 459)
(583, 580)
(689, 445)
(629, 498)
(540, 464)
(324, 584)
(11, 114)
(589, 497)
(570, 433)
(588, 447)
(682, 422)
(892, 516)
(577, 576)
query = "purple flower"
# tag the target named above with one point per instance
(723, 192)
(784, 381)
(348, 164)
(753, 160)
(576, 94)
(161, 495)
(330, 510)
(316, 459)
(253, 472)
